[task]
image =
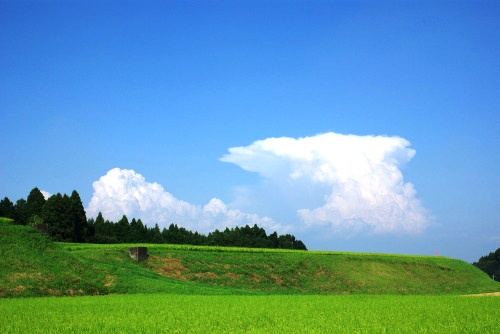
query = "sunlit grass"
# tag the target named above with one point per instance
(80, 246)
(253, 270)
(201, 289)
(166, 313)
(32, 265)
(4, 220)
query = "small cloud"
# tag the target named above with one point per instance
(125, 192)
(45, 194)
(359, 179)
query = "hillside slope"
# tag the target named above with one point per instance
(305, 272)
(323, 272)
(32, 265)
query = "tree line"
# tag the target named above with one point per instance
(67, 222)
(490, 264)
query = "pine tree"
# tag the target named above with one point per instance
(99, 223)
(78, 218)
(273, 238)
(104, 231)
(57, 214)
(34, 205)
(123, 230)
(7, 208)
(138, 232)
(155, 236)
(21, 212)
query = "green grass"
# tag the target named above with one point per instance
(307, 272)
(32, 266)
(299, 272)
(194, 289)
(170, 313)
(127, 276)
(4, 220)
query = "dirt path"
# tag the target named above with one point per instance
(495, 294)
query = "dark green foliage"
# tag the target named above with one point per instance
(254, 237)
(22, 214)
(103, 231)
(490, 264)
(106, 232)
(288, 241)
(155, 236)
(7, 208)
(122, 229)
(25, 211)
(34, 205)
(137, 230)
(64, 215)
(66, 219)
(78, 217)
(57, 214)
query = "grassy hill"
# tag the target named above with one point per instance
(32, 265)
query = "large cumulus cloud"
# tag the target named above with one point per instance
(126, 192)
(359, 177)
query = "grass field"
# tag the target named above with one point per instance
(250, 270)
(193, 289)
(168, 313)
(32, 265)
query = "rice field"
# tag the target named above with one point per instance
(169, 313)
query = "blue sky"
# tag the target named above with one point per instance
(149, 106)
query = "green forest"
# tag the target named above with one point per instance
(490, 264)
(66, 221)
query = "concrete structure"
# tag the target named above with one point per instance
(139, 253)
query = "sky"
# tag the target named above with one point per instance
(365, 126)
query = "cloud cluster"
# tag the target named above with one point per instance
(332, 182)
(125, 192)
(359, 178)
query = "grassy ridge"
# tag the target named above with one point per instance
(32, 265)
(306, 273)
(128, 276)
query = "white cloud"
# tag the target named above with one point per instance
(358, 177)
(45, 194)
(125, 192)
